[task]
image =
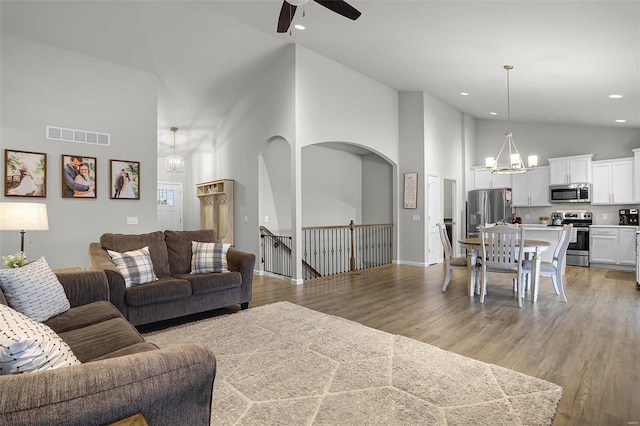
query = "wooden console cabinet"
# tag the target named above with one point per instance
(216, 208)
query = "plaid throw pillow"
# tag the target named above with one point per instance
(209, 257)
(135, 266)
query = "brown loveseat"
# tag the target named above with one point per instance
(120, 375)
(177, 292)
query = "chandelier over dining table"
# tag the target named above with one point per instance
(509, 160)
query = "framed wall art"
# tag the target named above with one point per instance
(411, 190)
(78, 176)
(124, 177)
(25, 174)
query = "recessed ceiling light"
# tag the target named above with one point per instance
(615, 96)
(299, 27)
(464, 93)
(621, 121)
(493, 113)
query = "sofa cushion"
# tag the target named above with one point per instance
(34, 290)
(179, 247)
(97, 340)
(82, 316)
(209, 257)
(128, 350)
(128, 242)
(135, 266)
(205, 283)
(164, 289)
(27, 345)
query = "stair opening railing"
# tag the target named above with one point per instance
(329, 250)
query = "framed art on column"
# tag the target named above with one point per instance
(410, 190)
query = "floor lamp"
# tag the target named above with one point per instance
(23, 217)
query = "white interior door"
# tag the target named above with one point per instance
(434, 254)
(169, 201)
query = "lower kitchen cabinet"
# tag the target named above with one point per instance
(613, 246)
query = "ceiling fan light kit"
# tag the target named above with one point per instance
(512, 163)
(288, 11)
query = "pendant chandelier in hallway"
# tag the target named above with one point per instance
(174, 163)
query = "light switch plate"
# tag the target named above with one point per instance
(132, 220)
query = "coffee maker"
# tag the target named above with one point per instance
(629, 217)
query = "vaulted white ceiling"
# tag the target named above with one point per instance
(568, 56)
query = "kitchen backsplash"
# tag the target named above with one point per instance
(602, 215)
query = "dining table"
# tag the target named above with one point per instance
(531, 248)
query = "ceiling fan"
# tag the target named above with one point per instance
(288, 10)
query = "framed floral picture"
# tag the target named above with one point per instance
(25, 174)
(124, 177)
(78, 176)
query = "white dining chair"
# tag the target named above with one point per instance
(501, 253)
(452, 262)
(553, 269)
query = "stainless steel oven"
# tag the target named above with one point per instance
(572, 193)
(578, 250)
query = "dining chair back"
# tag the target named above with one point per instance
(501, 252)
(555, 268)
(450, 262)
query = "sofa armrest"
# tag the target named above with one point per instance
(99, 260)
(168, 386)
(244, 263)
(84, 286)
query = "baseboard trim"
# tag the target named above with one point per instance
(406, 262)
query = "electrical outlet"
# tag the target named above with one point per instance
(246, 219)
(266, 219)
(526, 216)
(605, 216)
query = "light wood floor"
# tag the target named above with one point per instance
(590, 346)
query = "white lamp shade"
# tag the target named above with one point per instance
(23, 216)
(515, 160)
(533, 161)
(174, 163)
(489, 161)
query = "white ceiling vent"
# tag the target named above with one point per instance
(79, 136)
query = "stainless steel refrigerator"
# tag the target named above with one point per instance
(487, 206)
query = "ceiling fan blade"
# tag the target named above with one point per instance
(286, 16)
(341, 7)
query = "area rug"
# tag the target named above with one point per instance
(283, 364)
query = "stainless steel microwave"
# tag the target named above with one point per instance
(571, 193)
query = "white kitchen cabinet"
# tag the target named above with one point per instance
(612, 246)
(531, 188)
(636, 175)
(627, 246)
(574, 169)
(483, 179)
(612, 181)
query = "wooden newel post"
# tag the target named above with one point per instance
(352, 259)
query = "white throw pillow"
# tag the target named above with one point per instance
(209, 257)
(27, 346)
(135, 266)
(34, 290)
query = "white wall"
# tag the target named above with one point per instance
(275, 187)
(42, 85)
(377, 190)
(332, 187)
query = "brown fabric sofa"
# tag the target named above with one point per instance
(121, 374)
(177, 292)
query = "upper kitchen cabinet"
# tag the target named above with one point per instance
(531, 188)
(612, 181)
(484, 179)
(575, 169)
(636, 175)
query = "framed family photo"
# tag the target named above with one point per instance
(78, 176)
(25, 174)
(124, 177)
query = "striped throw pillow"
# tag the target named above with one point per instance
(34, 290)
(135, 266)
(209, 257)
(27, 346)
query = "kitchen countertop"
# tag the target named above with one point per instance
(614, 226)
(540, 226)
